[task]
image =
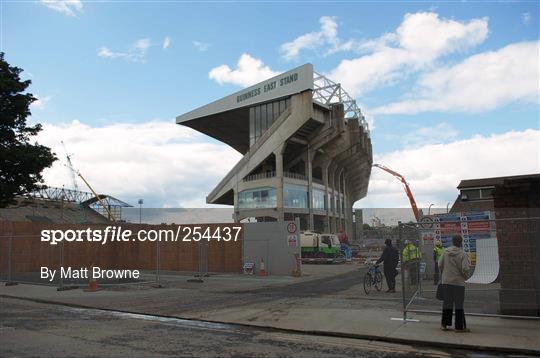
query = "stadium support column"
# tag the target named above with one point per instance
(339, 206)
(345, 210)
(333, 219)
(348, 213)
(235, 202)
(309, 167)
(279, 175)
(326, 201)
(330, 198)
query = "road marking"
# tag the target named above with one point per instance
(401, 319)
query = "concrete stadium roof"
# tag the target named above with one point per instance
(227, 119)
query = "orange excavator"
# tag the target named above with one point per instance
(408, 191)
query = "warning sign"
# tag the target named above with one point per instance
(292, 240)
(426, 222)
(291, 228)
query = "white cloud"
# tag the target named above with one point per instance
(421, 39)
(420, 136)
(326, 37)
(201, 46)
(136, 52)
(249, 71)
(526, 18)
(481, 82)
(162, 162)
(66, 7)
(426, 34)
(434, 171)
(40, 103)
(166, 42)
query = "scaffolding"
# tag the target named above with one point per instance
(82, 198)
(327, 92)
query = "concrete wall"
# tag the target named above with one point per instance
(269, 241)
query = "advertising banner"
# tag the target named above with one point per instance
(471, 226)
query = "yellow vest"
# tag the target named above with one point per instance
(410, 252)
(438, 252)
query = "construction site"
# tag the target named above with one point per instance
(302, 255)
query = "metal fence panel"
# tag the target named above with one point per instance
(505, 267)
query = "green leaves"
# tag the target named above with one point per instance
(21, 162)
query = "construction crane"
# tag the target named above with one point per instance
(408, 191)
(73, 181)
(70, 166)
(75, 173)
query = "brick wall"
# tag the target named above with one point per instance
(519, 245)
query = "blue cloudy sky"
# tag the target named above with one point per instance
(450, 89)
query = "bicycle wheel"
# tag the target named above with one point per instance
(367, 283)
(378, 281)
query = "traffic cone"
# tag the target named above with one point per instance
(262, 269)
(92, 284)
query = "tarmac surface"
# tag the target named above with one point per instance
(327, 300)
(31, 329)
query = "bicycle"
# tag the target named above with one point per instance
(373, 278)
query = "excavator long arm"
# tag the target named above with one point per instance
(406, 186)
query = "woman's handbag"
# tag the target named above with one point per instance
(440, 292)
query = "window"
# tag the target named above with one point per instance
(251, 126)
(276, 110)
(262, 116)
(259, 198)
(282, 106)
(264, 119)
(257, 122)
(487, 193)
(295, 196)
(470, 194)
(269, 115)
(318, 199)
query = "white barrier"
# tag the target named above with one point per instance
(487, 261)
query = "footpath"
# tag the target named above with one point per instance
(275, 303)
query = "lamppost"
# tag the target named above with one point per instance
(140, 210)
(429, 209)
(447, 204)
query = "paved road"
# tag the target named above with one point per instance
(317, 287)
(35, 329)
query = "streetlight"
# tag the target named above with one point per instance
(429, 209)
(140, 210)
(447, 204)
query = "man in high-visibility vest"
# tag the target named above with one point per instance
(437, 253)
(411, 261)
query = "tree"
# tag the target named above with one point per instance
(21, 162)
